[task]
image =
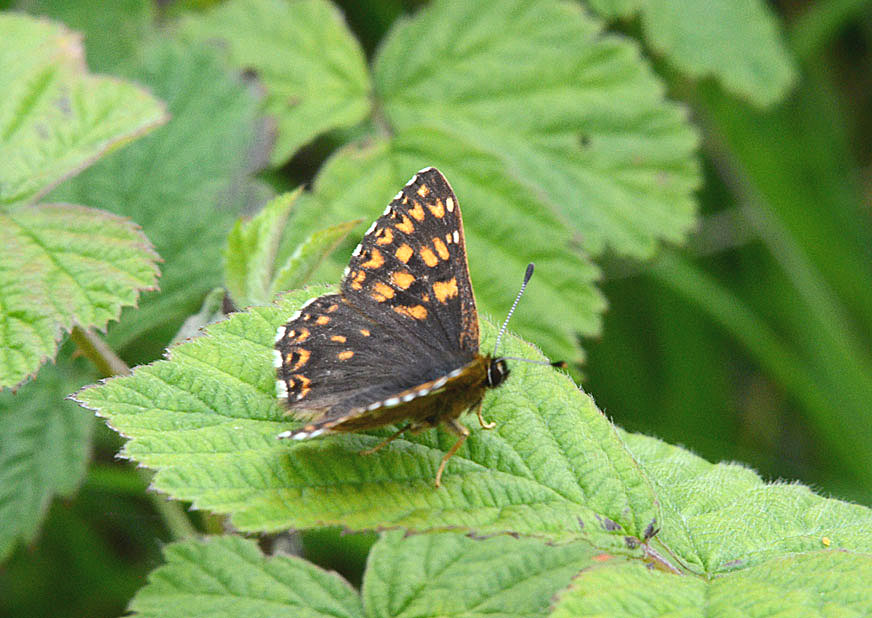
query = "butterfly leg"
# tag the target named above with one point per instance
(463, 433)
(484, 424)
(386, 441)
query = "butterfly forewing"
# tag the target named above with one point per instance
(411, 270)
(403, 327)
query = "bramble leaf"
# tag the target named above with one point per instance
(313, 69)
(736, 41)
(452, 575)
(722, 517)
(44, 445)
(308, 256)
(55, 118)
(229, 576)
(574, 116)
(62, 265)
(251, 249)
(207, 420)
(112, 35)
(185, 183)
(822, 583)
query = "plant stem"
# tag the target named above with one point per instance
(108, 363)
(104, 358)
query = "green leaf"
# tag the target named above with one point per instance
(112, 33)
(452, 575)
(824, 583)
(308, 256)
(722, 517)
(738, 42)
(44, 444)
(62, 265)
(211, 311)
(184, 184)
(229, 576)
(505, 229)
(251, 249)
(573, 115)
(207, 420)
(55, 119)
(313, 69)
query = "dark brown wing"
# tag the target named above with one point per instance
(405, 318)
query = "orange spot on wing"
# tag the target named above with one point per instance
(304, 384)
(406, 226)
(384, 236)
(302, 355)
(365, 332)
(322, 320)
(381, 292)
(437, 209)
(418, 212)
(345, 355)
(445, 289)
(304, 334)
(404, 253)
(402, 279)
(332, 308)
(376, 260)
(357, 279)
(417, 312)
(338, 338)
(429, 257)
(441, 249)
(423, 191)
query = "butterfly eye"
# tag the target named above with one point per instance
(497, 372)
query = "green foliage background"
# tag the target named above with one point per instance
(695, 191)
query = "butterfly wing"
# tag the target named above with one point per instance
(405, 317)
(410, 270)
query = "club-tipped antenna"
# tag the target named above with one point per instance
(527, 276)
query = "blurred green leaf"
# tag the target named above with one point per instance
(207, 421)
(44, 445)
(300, 266)
(55, 119)
(738, 42)
(184, 184)
(251, 249)
(826, 583)
(113, 33)
(452, 575)
(312, 67)
(229, 576)
(562, 300)
(63, 265)
(211, 311)
(574, 116)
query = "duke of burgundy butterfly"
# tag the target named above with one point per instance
(399, 342)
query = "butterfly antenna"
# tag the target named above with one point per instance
(527, 276)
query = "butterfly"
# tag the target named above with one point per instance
(399, 342)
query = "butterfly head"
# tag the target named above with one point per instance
(497, 372)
